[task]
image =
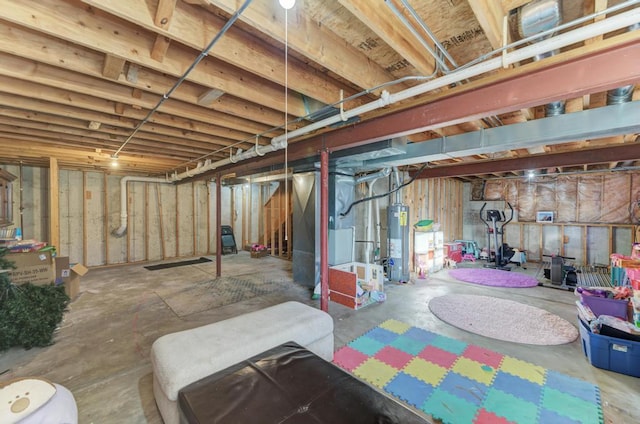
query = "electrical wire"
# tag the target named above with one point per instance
(286, 129)
(379, 196)
(195, 63)
(479, 59)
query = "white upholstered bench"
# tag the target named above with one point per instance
(181, 358)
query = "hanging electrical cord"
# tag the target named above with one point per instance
(379, 196)
(195, 63)
(286, 129)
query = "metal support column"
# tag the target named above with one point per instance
(218, 225)
(324, 229)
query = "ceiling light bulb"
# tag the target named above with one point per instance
(287, 4)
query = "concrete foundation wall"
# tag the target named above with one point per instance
(95, 229)
(72, 223)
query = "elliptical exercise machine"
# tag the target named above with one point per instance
(503, 253)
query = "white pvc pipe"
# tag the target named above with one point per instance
(623, 20)
(604, 26)
(119, 232)
(251, 153)
(377, 240)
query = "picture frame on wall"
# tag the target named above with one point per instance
(545, 217)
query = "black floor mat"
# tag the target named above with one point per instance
(175, 264)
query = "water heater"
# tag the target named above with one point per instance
(398, 239)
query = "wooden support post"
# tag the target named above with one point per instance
(84, 217)
(54, 203)
(105, 203)
(128, 225)
(541, 241)
(209, 217)
(194, 221)
(177, 202)
(161, 221)
(585, 243)
(146, 222)
(610, 241)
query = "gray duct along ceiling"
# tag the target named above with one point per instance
(607, 121)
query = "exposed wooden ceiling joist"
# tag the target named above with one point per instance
(86, 74)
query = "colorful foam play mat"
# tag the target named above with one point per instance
(459, 383)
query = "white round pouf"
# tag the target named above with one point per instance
(36, 401)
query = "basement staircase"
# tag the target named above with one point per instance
(277, 230)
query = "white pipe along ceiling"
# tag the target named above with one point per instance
(604, 26)
(616, 22)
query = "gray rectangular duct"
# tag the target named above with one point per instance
(306, 239)
(607, 121)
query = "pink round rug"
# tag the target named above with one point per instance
(503, 319)
(493, 277)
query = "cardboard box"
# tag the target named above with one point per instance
(258, 253)
(69, 275)
(36, 268)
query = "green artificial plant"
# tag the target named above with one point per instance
(28, 314)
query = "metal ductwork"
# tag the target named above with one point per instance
(536, 17)
(539, 16)
(622, 94)
(554, 108)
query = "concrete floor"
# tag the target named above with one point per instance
(101, 351)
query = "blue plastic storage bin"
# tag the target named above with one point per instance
(610, 353)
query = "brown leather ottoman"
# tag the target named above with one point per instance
(288, 385)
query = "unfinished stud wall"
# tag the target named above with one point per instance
(71, 202)
(35, 201)
(154, 240)
(163, 220)
(136, 231)
(438, 199)
(93, 219)
(201, 227)
(591, 215)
